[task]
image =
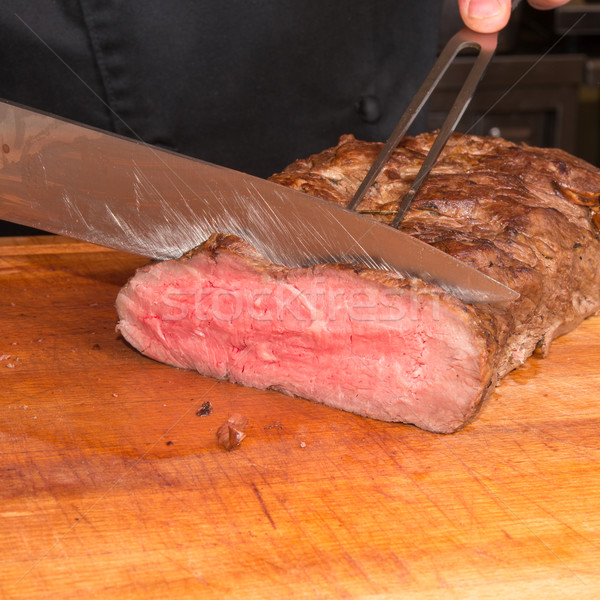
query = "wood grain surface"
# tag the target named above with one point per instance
(113, 487)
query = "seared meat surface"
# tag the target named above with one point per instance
(528, 217)
(375, 343)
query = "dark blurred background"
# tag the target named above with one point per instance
(542, 88)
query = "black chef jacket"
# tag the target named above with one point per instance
(249, 84)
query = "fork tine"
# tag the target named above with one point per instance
(487, 49)
(486, 44)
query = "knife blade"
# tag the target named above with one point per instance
(81, 182)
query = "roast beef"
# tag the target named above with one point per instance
(376, 343)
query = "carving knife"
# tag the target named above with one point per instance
(77, 181)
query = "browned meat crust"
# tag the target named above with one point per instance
(528, 217)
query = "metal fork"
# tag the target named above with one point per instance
(486, 44)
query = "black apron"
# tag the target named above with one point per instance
(249, 84)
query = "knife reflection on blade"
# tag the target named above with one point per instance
(81, 182)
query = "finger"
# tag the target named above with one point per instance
(547, 4)
(485, 16)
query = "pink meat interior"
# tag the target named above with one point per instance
(324, 334)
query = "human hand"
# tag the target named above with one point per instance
(486, 16)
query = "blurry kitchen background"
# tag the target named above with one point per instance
(542, 88)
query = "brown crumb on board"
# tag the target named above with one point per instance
(231, 433)
(276, 425)
(205, 410)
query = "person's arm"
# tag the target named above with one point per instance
(492, 15)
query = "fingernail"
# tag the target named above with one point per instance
(483, 9)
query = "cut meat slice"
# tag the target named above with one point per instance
(375, 343)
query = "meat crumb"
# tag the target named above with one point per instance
(276, 425)
(205, 410)
(231, 433)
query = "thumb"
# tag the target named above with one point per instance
(485, 16)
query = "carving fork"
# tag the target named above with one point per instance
(486, 44)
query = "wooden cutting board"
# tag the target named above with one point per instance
(113, 487)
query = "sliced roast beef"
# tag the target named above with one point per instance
(375, 343)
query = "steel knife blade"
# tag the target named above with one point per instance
(81, 182)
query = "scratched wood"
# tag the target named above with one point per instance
(112, 486)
